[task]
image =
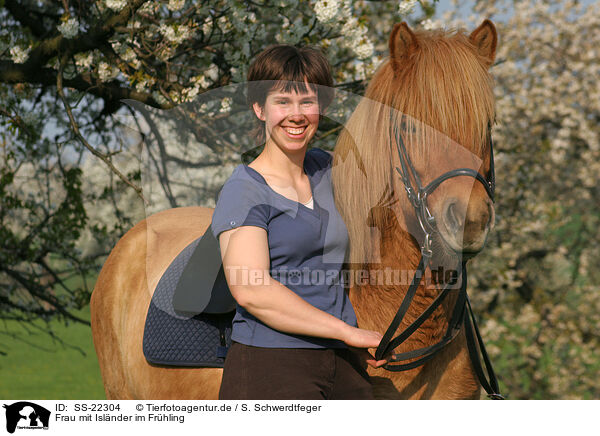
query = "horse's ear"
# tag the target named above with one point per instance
(485, 39)
(403, 43)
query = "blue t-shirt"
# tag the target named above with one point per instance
(306, 247)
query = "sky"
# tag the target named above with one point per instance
(466, 8)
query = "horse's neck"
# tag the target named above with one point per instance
(376, 303)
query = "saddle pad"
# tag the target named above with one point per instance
(201, 341)
(187, 338)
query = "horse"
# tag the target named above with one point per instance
(439, 78)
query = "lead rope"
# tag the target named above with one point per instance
(489, 383)
(462, 314)
(426, 353)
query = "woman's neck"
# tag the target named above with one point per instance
(272, 160)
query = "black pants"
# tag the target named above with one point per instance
(257, 373)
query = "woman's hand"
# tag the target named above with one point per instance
(359, 340)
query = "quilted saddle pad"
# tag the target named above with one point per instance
(190, 335)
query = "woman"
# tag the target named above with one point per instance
(283, 243)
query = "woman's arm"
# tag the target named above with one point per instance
(245, 253)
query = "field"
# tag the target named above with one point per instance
(36, 367)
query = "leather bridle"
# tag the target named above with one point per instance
(462, 314)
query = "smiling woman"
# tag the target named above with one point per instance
(291, 335)
(291, 120)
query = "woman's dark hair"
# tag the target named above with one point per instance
(286, 68)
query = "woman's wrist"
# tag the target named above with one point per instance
(345, 331)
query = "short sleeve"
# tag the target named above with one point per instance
(240, 203)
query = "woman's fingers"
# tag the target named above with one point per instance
(368, 357)
(373, 362)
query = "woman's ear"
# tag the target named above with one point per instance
(258, 111)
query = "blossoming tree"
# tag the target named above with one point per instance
(71, 176)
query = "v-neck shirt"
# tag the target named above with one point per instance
(307, 247)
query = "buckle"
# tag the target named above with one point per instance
(426, 248)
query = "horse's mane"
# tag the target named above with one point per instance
(444, 85)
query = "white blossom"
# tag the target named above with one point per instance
(106, 71)
(116, 5)
(326, 10)
(175, 5)
(145, 83)
(207, 27)
(406, 7)
(202, 81)
(364, 49)
(190, 93)
(84, 60)
(128, 55)
(176, 36)
(226, 104)
(224, 23)
(69, 28)
(350, 26)
(212, 72)
(429, 24)
(147, 8)
(19, 54)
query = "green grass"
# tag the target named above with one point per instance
(36, 367)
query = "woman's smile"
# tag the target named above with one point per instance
(296, 132)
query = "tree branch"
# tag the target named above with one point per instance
(110, 91)
(37, 292)
(75, 127)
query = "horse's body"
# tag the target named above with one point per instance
(125, 285)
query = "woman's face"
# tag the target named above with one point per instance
(291, 118)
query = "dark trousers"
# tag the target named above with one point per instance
(257, 373)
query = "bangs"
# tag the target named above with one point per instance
(298, 86)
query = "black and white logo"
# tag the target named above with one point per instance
(26, 415)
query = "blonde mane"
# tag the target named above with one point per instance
(445, 86)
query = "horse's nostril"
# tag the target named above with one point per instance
(453, 220)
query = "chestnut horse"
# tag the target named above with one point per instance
(439, 78)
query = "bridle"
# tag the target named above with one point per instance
(462, 314)
(418, 195)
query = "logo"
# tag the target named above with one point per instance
(26, 415)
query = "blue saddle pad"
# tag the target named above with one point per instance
(176, 335)
(200, 341)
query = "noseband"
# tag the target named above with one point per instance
(462, 314)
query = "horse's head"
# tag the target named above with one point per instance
(435, 91)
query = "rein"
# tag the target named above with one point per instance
(462, 313)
